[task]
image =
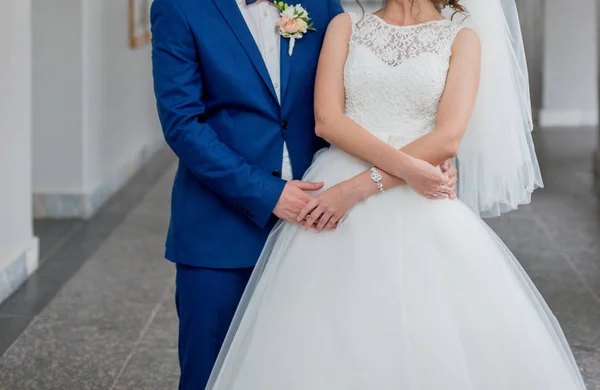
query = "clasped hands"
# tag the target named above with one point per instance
(324, 211)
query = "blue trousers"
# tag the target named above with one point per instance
(206, 301)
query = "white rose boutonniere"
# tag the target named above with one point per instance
(294, 23)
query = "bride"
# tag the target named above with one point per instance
(406, 292)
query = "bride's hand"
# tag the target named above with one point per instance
(329, 207)
(426, 179)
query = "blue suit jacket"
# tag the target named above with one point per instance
(221, 117)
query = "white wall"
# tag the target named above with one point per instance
(120, 118)
(570, 78)
(369, 5)
(57, 97)
(95, 120)
(18, 247)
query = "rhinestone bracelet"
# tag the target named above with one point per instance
(376, 177)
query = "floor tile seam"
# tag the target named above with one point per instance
(16, 340)
(56, 247)
(567, 258)
(153, 314)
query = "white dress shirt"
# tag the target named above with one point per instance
(261, 18)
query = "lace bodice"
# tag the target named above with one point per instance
(395, 75)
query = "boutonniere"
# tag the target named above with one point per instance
(294, 22)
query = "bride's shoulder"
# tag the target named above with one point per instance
(348, 22)
(341, 24)
(461, 29)
(466, 38)
(343, 19)
(466, 44)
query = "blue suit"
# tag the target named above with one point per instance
(221, 117)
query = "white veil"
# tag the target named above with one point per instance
(497, 164)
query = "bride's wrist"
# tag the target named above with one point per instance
(403, 165)
(359, 187)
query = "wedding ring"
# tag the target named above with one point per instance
(307, 216)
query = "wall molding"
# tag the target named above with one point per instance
(568, 118)
(85, 205)
(14, 271)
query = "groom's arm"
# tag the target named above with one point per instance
(178, 89)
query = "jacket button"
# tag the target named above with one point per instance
(276, 173)
(284, 125)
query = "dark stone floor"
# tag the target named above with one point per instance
(100, 314)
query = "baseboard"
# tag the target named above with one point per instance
(567, 118)
(86, 205)
(15, 270)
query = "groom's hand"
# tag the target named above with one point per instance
(450, 170)
(294, 198)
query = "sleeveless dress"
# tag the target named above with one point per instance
(408, 293)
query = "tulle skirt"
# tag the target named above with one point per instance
(407, 294)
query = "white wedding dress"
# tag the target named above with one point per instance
(408, 293)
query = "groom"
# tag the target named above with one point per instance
(237, 109)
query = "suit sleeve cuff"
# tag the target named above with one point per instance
(271, 193)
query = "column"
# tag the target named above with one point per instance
(18, 247)
(531, 15)
(94, 113)
(596, 155)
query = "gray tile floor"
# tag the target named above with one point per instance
(67, 244)
(112, 325)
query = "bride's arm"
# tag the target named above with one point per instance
(456, 106)
(454, 112)
(334, 126)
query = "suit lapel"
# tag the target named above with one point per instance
(230, 11)
(285, 61)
